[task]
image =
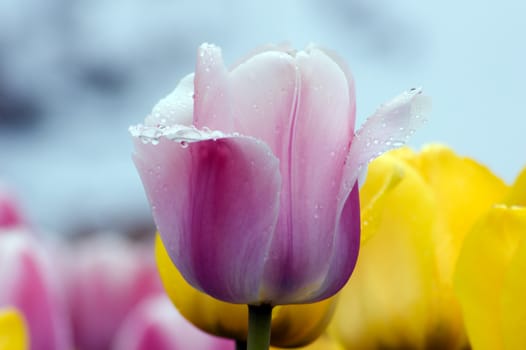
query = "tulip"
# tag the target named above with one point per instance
(29, 284)
(155, 324)
(106, 277)
(292, 325)
(401, 292)
(13, 333)
(489, 278)
(251, 173)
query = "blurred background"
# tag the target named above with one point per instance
(74, 74)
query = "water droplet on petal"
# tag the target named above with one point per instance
(184, 144)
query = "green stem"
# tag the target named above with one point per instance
(241, 345)
(259, 317)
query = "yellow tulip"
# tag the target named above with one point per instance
(490, 276)
(401, 292)
(292, 325)
(13, 333)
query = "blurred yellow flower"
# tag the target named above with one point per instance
(490, 278)
(401, 292)
(13, 333)
(292, 325)
(324, 342)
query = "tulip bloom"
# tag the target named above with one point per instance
(155, 324)
(401, 293)
(489, 278)
(28, 284)
(13, 333)
(292, 325)
(105, 277)
(251, 173)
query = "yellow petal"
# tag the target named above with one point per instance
(292, 325)
(479, 277)
(379, 182)
(517, 193)
(324, 342)
(13, 334)
(387, 300)
(514, 300)
(464, 190)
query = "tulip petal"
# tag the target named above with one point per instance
(211, 91)
(176, 108)
(386, 302)
(215, 203)
(308, 216)
(28, 285)
(256, 98)
(372, 197)
(389, 127)
(480, 273)
(513, 302)
(292, 325)
(449, 174)
(517, 193)
(13, 334)
(155, 324)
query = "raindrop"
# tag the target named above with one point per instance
(376, 141)
(401, 128)
(184, 144)
(155, 141)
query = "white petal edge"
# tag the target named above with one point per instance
(177, 133)
(389, 127)
(177, 107)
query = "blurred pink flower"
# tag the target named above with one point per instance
(105, 278)
(10, 215)
(28, 282)
(156, 324)
(251, 172)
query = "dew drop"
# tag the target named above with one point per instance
(184, 144)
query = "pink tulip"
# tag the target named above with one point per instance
(28, 283)
(156, 324)
(105, 278)
(251, 173)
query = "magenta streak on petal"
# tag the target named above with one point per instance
(345, 248)
(215, 204)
